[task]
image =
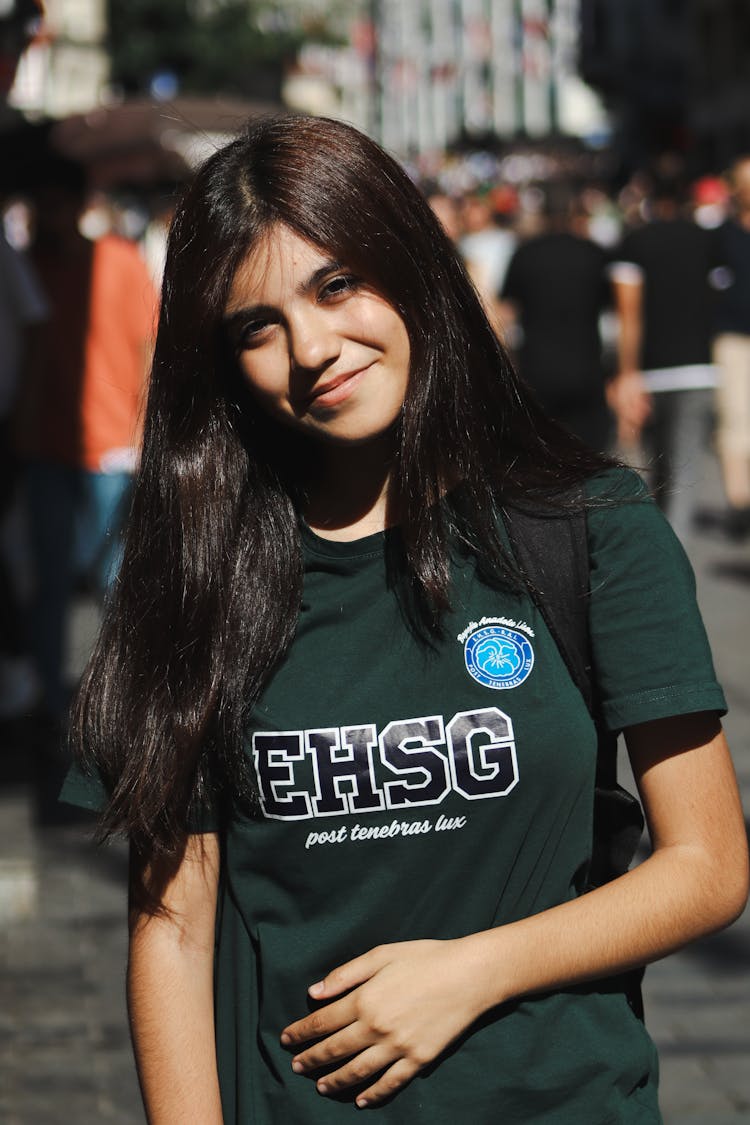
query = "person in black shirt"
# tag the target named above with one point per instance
(664, 303)
(556, 285)
(732, 352)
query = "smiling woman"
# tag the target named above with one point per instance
(327, 708)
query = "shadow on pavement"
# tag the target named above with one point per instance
(108, 860)
(732, 571)
(724, 954)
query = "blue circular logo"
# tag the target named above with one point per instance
(498, 658)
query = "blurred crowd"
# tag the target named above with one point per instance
(78, 308)
(627, 311)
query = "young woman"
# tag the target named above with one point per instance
(357, 777)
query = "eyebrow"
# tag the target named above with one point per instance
(233, 322)
(317, 276)
(303, 289)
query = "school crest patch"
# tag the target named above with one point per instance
(498, 657)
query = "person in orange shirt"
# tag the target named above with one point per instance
(79, 424)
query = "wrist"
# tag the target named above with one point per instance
(487, 969)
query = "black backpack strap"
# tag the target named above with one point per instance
(552, 552)
(553, 555)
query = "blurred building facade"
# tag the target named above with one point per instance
(675, 75)
(719, 105)
(423, 74)
(418, 75)
(66, 68)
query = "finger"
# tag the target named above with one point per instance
(350, 974)
(326, 1021)
(389, 1083)
(343, 1045)
(358, 1070)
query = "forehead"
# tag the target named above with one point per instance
(279, 265)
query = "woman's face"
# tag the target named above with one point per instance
(321, 349)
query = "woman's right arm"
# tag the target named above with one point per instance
(170, 988)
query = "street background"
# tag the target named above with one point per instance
(492, 106)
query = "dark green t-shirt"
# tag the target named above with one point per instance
(412, 791)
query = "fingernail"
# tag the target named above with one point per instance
(297, 1067)
(322, 1088)
(361, 1103)
(316, 989)
(285, 1039)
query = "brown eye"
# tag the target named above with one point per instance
(251, 332)
(337, 286)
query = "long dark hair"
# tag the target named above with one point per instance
(207, 598)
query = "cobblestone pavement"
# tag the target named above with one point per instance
(64, 1051)
(698, 1001)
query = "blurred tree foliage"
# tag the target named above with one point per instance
(234, 47)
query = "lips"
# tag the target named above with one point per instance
(336, 390)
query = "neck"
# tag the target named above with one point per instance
(350, 496)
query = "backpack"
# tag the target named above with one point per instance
(552, 553)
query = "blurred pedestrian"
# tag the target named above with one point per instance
(487, 243)
(446, 210)
(22, 310)
(79, 411)
(664, 387)
(732, 351)
(556, 288)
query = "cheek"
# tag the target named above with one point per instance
(267, 388)
(401, 350)
(388, 328)
(405, 350)
(263, 374)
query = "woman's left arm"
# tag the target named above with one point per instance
(406, 1002)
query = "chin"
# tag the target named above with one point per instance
(353, 437)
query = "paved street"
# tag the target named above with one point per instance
(698, 1001)
(64, 1052)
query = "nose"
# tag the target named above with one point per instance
(313, 342)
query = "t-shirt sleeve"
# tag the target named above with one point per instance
(86, 790)
(651, 655)
(626, 264)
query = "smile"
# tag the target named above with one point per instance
(337, 390)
